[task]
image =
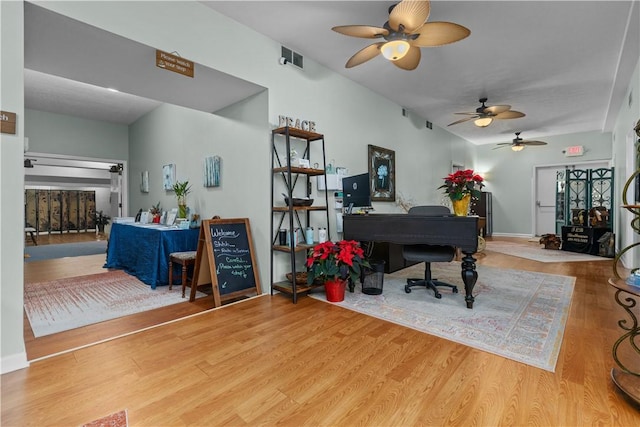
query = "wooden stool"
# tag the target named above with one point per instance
(185, 259)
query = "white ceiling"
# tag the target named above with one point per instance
(566, 65)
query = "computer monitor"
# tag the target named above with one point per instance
(356, 192)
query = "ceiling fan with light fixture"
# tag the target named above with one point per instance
(404, 33)
(484, 116)
(518, 144)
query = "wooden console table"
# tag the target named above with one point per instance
(625, 377)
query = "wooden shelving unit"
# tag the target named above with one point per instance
(281, 145)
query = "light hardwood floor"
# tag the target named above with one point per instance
(266, 361)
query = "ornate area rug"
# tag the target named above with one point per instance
(64, 304)
(535, 252)
(519, 315)
(117, 419)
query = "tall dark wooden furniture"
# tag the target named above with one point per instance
(283, 140)
(458, 231)
(483, 207)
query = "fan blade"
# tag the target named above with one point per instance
(410, 61)
(509, 115)
(533, 143)
(364, 55)
(494, 110)
(466, 119)
(501, 145)
(410, 14)
(362, 31)
(470, 114)
(439, 33)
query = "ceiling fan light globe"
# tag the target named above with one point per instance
(483, 122)
(517, 147)
(395, 49)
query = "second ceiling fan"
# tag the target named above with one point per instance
(518, 144)
(404, 33)
(484, 116)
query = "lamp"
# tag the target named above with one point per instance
(483, 122)
(395, 49)
(517, 147)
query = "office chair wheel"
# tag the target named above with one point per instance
(407, 289)
(455, 290)
(438, 295)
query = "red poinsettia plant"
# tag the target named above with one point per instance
(329, 260)
(460, 183)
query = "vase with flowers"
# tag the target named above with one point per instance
(460, 186)
(334, 264)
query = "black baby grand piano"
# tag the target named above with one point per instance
(459, 231)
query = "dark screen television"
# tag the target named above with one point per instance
(356, 192)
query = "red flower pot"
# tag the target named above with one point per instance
(335, 289)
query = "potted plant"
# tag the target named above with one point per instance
(460, 186)
(156, 212)
(182, 189)
(100, 219)
(334, 263)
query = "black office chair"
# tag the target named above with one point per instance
(429, 253)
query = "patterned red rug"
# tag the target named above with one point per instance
(118, 419)
(64, 304)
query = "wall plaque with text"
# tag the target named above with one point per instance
(8, 123)
(174, 63)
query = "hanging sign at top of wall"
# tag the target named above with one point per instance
(8, 123)
(174, 63)
(574, 151)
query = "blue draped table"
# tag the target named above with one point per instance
(143, 250)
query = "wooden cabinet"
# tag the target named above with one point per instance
(296, 183)
(483, 207)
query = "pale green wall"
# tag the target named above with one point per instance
(13, 354)
(61, 134)
(349, 115)
(509, 174)
(624, 140)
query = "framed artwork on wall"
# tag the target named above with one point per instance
(144, 181)
(211, 171)
(382, 171)
(169, 176)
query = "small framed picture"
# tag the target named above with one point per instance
(382, 171)
(169, 176)
(171, 217)
(211, 171)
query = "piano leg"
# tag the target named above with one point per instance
(469, 277)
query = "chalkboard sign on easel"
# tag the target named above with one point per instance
(225, 259)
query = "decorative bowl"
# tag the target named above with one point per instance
(301, 278)
(298, 201)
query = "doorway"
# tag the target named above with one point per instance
(102, 182)
(544, 212)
